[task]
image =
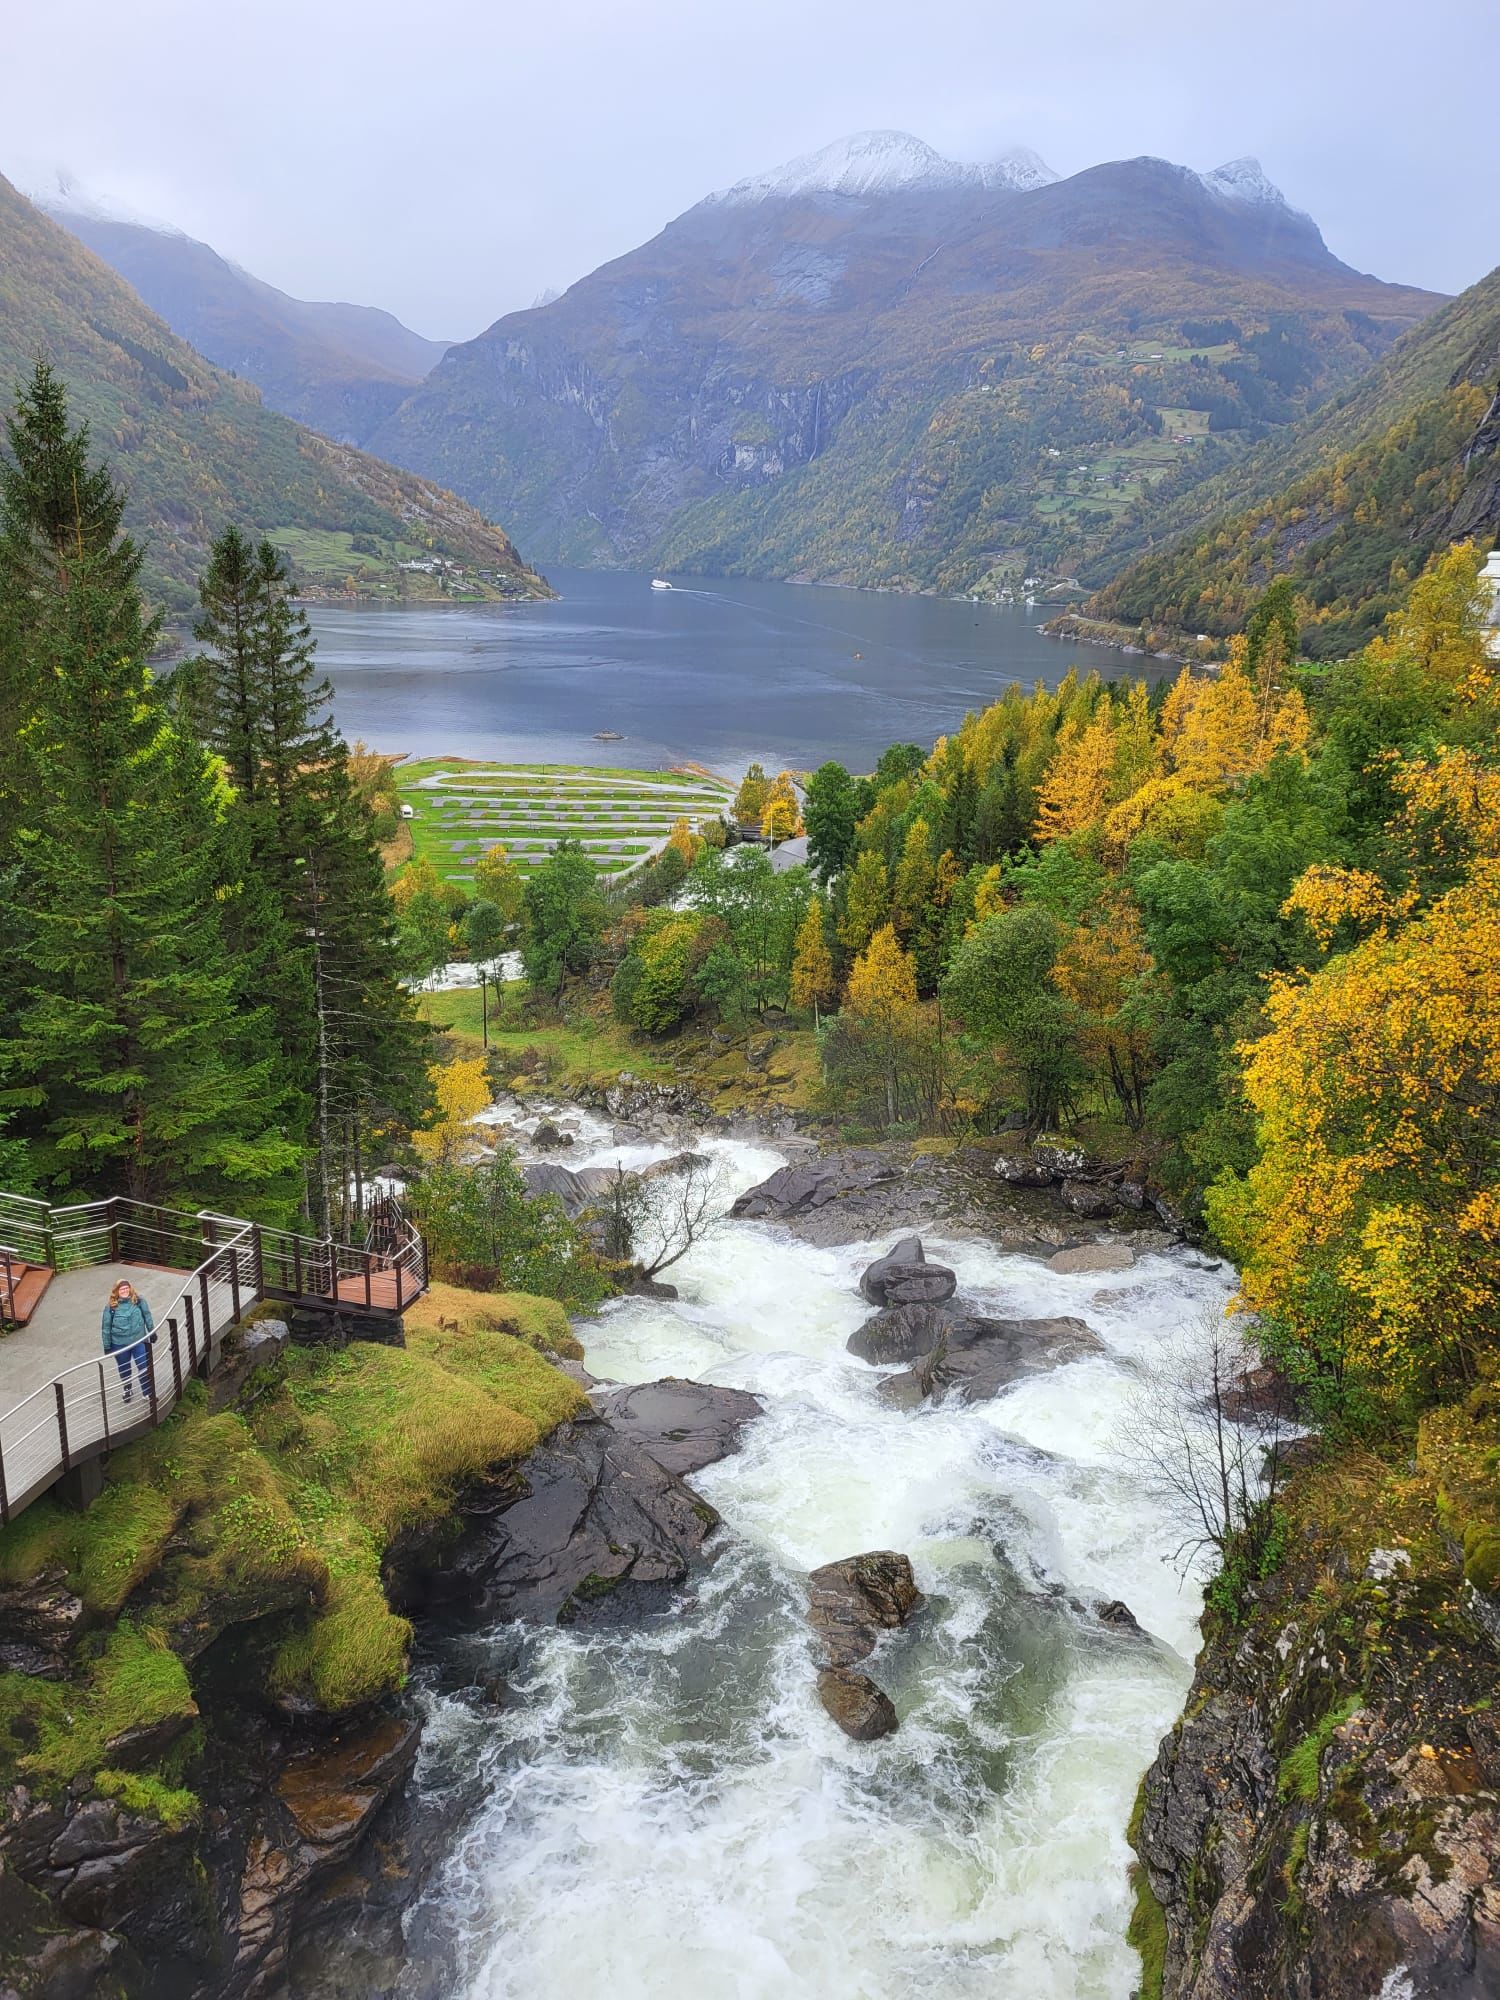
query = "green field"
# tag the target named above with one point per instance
(460, 808)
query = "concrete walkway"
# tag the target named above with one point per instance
(64, 1328)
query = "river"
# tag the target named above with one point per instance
(717, 670)
(667, 1813)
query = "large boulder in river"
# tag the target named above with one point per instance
(813, 1184)
(860, 1709)
(684, 1425)
(900, 1333)
(903, 1277)
(575, 1188)
(1092, 1257)
(590, 1517)
(852, 1601)
(976, 1358)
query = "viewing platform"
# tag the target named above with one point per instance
(64, 1402)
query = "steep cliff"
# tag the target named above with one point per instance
(1325, 1818)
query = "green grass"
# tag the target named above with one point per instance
(1299, 1769)
(1147, 1929)
(502, 804)
(584, 1050)
(282, 1510)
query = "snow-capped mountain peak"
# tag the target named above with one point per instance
(59, 193)
(1018, 168)
(877, 163)
(1245, 180)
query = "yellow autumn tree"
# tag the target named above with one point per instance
(498, 880)
(750, 799)
(1075, 791)
(781, 817)
(1103, 968)
(1369, 1229)
(911, 885)
(684, 840)
(813, 983)
(460, 1090)
(880, 1002)
(866, 902)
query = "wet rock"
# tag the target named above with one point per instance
(903, 1277)
(976, 1358)
(900, 1333)
(548, 1138)
(256, 1348)
(1089, 1199)
(589, 1514)
(333, 1793)
(813, 1184)
(576, 1189)
(147, 1742)
(1092, 1257)
(852, 1601)
(683, 1425)
(40, 1623)
(1120, 1618)
(675, 1163)
(1259, 1392)
(856, 1704)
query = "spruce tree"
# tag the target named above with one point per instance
(140, 1077)
(351, 1045)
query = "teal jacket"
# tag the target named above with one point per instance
(125, 1325)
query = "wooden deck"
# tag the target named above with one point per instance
(21, 1293)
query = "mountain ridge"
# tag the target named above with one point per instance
(339, 368)
(866, 388)
(197, 448)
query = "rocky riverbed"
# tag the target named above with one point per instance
(715, 1791)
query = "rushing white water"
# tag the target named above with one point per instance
(669, 1812)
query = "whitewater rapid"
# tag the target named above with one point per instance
(667, 1811)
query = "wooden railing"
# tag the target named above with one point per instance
(95, 1404)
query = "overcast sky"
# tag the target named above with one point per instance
(449, 162)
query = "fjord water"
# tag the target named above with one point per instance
(720, 670)
(665, 1809)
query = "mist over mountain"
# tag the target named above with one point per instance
(877, 366)
(196, 448)
(338, 368)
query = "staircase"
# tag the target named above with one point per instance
(64, 1403)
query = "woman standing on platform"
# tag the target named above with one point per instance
(123, 1330)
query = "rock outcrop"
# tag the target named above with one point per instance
(903, 1277)
(1324, 1823)
(589, 1516)
(900, 1333)
(976, 1358)
(682, 1425)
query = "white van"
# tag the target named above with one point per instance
(408, 812)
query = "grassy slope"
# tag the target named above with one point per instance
(196, 447)
(1348, 503)
(276, 1510)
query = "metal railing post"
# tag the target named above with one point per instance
(203, 1295)
(368, 1297)
(4, 1493)
(151, 1379)
(104, 1404)
(62, 1425)
(176, 1360)
(297, 1266)
(258, 1252)
(189, 1316)
(234, 1280)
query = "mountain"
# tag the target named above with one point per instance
(338, 368)
(874, 365)
(1349, 503)
(197, 448)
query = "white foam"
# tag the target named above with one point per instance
(671, 1813)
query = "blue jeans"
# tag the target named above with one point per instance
(123, 1358)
